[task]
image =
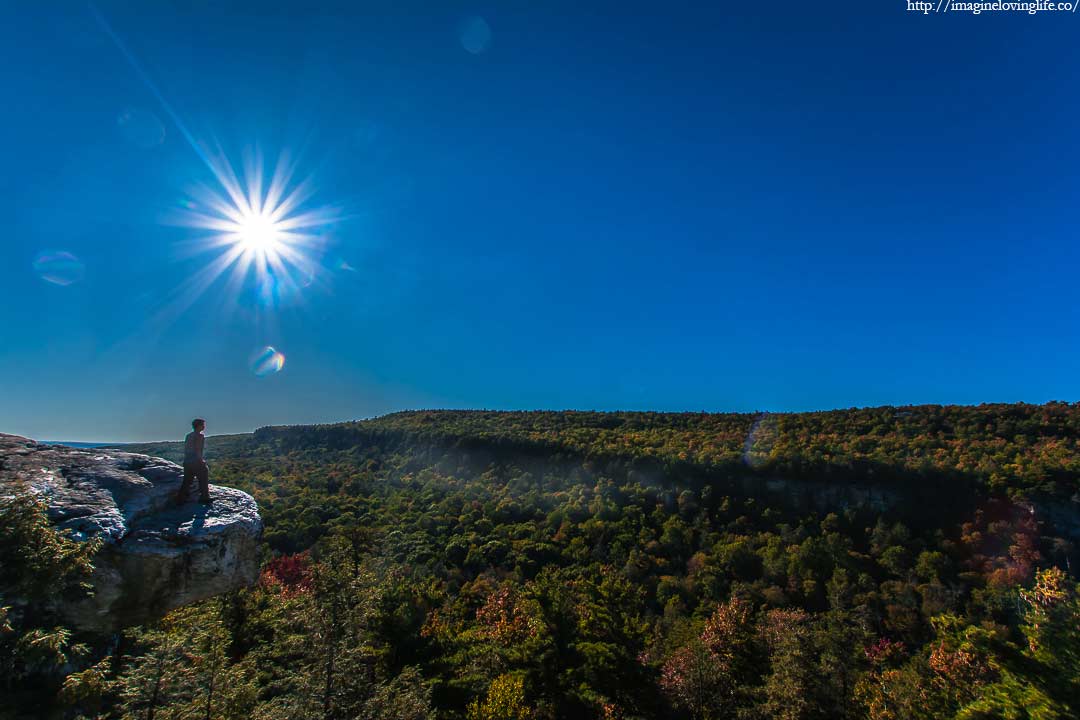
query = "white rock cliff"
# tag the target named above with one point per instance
(156, 556)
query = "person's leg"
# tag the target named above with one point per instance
(185, 486)
(203, 473)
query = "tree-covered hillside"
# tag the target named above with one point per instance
(1014, 448)
(910, 562)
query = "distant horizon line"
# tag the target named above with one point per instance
(110, 443)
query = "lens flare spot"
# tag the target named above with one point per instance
(757, 450)
(141, 128)
(475, 35)
(58, 267)
(267, 361)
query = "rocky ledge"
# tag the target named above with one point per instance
(155, 555)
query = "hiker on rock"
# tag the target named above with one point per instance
(195, 464)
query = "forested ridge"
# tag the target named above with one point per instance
(1006, 447)
(475, 564)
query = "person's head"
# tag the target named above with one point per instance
(198, 424)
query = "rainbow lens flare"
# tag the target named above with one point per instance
(267, 361)
(58, 267)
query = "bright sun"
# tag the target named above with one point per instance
(257, 230)
(258, 233)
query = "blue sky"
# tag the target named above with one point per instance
(677, 206)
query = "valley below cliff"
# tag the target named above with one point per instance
(474, 564)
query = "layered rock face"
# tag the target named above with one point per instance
(156, 556)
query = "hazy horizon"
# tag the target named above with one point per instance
(210, 435)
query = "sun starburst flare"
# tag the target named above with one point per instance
(261, 237)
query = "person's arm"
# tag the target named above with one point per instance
(200, 443)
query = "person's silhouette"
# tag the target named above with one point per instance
(195, 464)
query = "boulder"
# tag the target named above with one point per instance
(156, 555)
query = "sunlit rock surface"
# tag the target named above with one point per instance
(156, 556)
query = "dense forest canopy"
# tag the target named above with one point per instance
(1004, 447)
(909, 562)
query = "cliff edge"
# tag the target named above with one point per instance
(155, 556)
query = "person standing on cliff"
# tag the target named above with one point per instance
(195, 464)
